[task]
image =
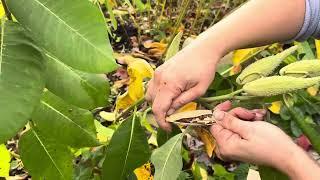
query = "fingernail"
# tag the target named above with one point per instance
(218, 115)
(171, 111)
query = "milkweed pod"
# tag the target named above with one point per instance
(264, 67)
(303, 68)
(275, 85)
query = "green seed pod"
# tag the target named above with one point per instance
(264, 67)
(303, 68)
(275, 85)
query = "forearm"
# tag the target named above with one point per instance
(300, 166)
(258, 22)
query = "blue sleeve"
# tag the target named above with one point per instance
(311, 25)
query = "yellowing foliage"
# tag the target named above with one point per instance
(317, 42)
(242, 55)
(2, 12)
(144, 172)
(188, 107)
(5, 159)
(138, 69)
(275, 107)
(207, 139)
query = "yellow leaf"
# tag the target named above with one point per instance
(207, 139)
(235, 70)
(275, 107)
(317, 42)
(243, 55)
(2, 12)
(198, 171)
(153, 140)
(108, 116)
(5, 159)
(104, 134)
(188, 107)
(144, 172)
(313, 91)
(138, 69)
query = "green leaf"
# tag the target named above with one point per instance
(241, 173)
(5, 159)
(84, 90)
(221, 173)
(174, 47)
(163, 136)
(268, 173)
(45, 158)
(168, 160)
(74, 31)
(127, 150)
(21, 79)
(305, 51)
(68, 124)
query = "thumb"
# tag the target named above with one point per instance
(186, 97)
(232, 123)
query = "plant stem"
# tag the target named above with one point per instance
(125, 112)
(223, 97)
(6, 10)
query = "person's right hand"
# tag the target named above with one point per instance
(261, 143)
(180, 80)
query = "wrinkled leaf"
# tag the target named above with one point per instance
(75, 87)
(21, 79)
(127, 150)
(208, 140)
(167, 159)
(66, 123)
(62, 28)
(45, 158)
(5, 159)
(174, 47)
(138, 70)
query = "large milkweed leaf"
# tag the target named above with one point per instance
(21, 79)
(168, 160)
(62, 28)
(128, 150)
(84, 90)
(66, 123)
(45, 158)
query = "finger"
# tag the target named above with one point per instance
(161, 105)
(242, 113)
(225, 106)
(260, 111)
(232, 123)
(186, 97)
(150, 94)
(215, 129)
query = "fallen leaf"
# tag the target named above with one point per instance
(207, 139)
(144, 172)
(155, 48)
(188, 107)
(275, 107)
(5, 159)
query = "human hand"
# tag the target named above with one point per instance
(260, 143)
(178, 81)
